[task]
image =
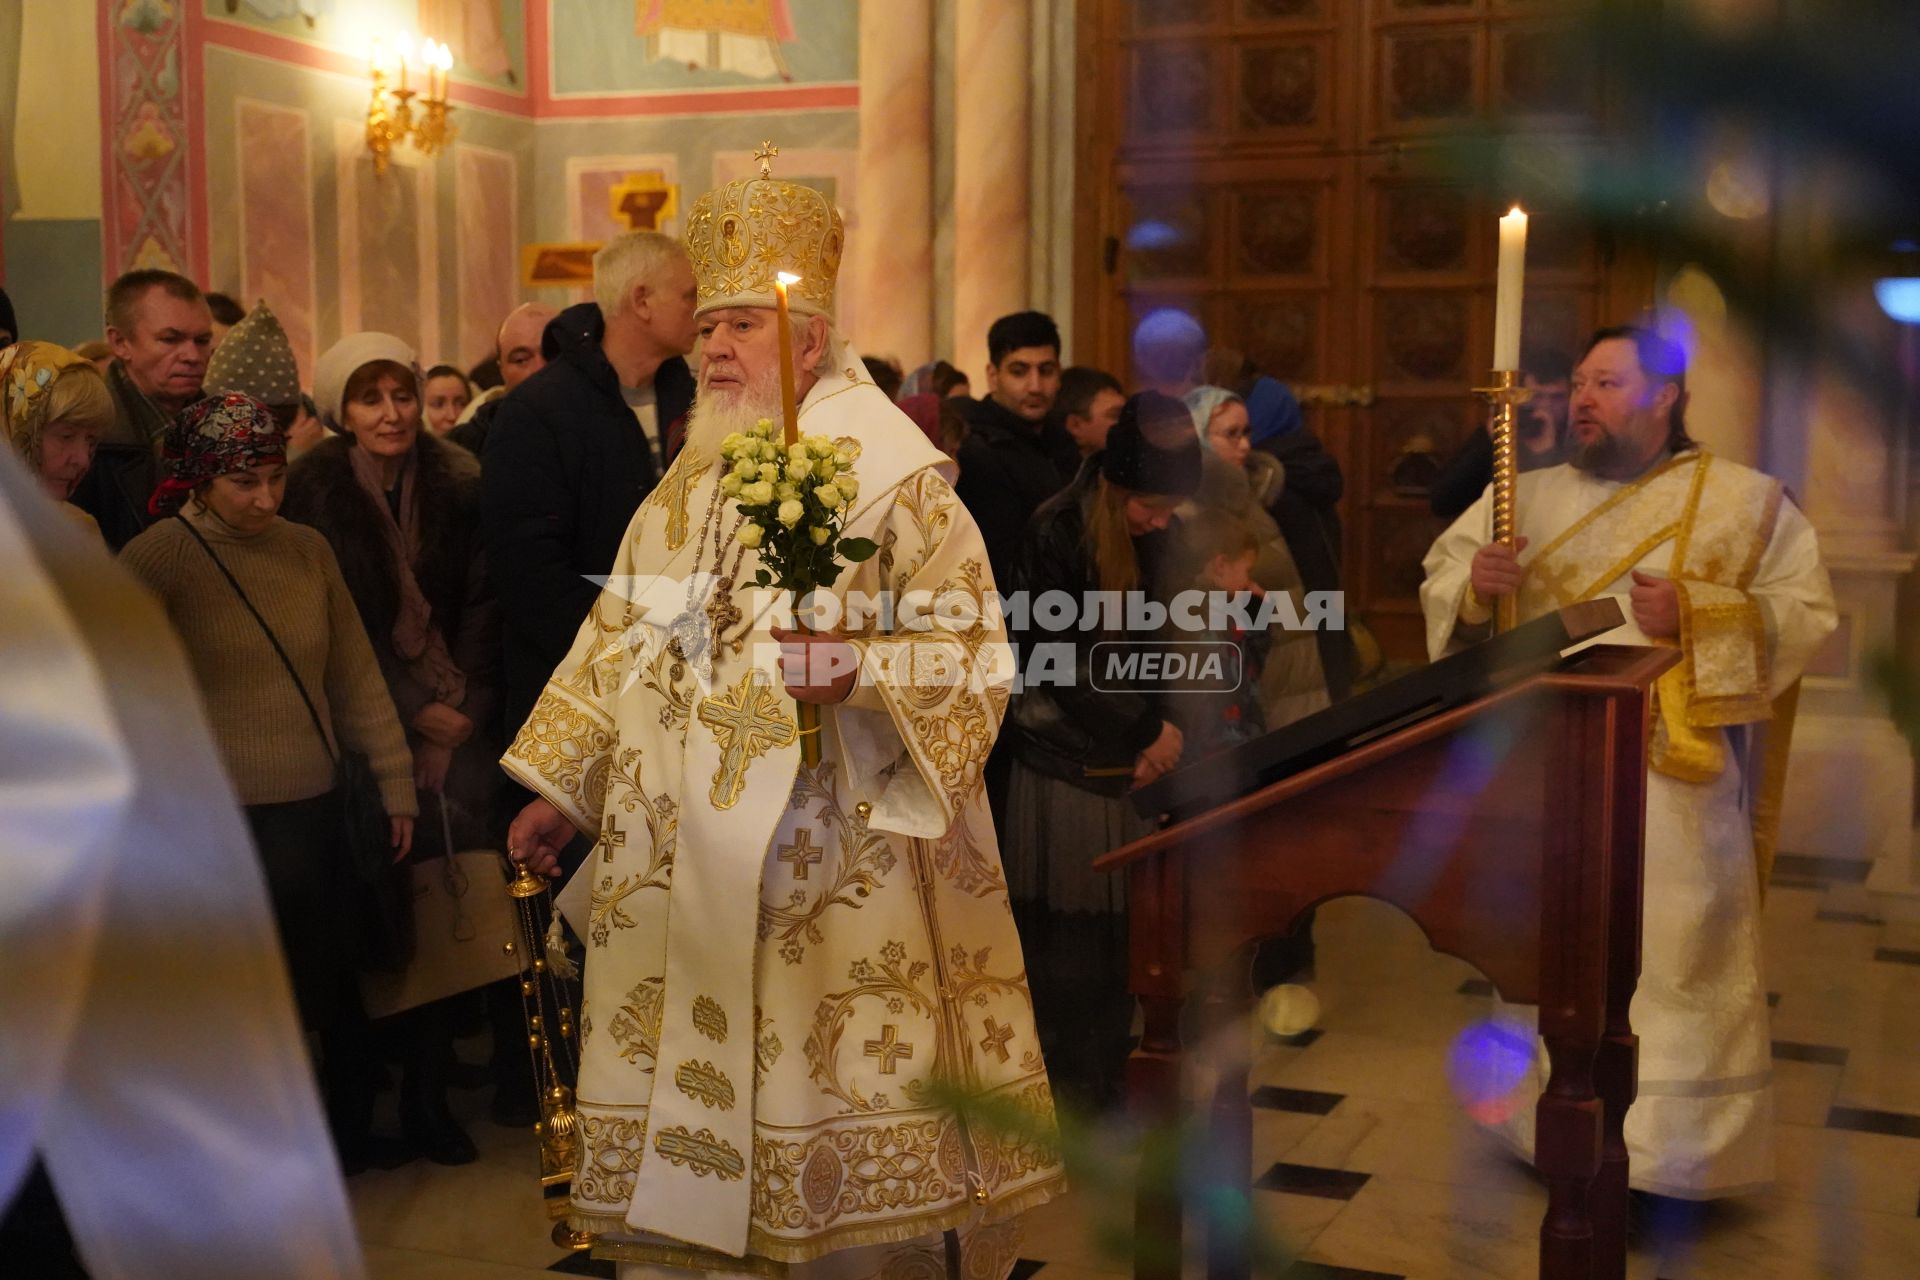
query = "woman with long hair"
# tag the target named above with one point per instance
(1080, 744)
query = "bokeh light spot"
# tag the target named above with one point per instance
(1487, 1067)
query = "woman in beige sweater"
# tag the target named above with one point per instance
(225, 475)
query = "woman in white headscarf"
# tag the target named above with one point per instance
(1243, 481)
(401, 509)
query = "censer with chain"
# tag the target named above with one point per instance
(552, 1042)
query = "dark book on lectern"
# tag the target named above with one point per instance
(1464, 677)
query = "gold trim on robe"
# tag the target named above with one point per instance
(839, 936)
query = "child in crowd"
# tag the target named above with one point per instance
(1216, 714)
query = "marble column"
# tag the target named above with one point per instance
(1850, 779)
(891, 250)
(991, 173)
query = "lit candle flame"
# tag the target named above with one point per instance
(787, 278)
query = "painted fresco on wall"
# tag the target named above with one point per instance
(721, 35)
(310, 10)
(488, 233)
(389, 276)
(149, 185)
(276, 218)
(488, 37)
(665, 46)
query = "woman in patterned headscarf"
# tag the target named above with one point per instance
(55, 405)
(225, 473)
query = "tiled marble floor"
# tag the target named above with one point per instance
(1372, 1171)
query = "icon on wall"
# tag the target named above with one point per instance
(557, 265)
(643, 201)
(475, 31)
(742, 36)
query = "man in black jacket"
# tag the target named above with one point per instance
(161, 333)
(1014, 459)
(575, 448)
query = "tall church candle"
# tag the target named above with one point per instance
(789, 411)
(1507, 293)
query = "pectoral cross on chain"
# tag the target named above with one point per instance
(747, 720)
(723, 615)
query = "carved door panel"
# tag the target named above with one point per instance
(1263, 164)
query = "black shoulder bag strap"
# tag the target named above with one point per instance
(272, 639)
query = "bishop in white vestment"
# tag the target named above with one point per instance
(1712, 557)
(789, 968)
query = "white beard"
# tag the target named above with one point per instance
(716, 415)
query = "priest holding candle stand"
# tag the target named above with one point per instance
(794, 959)
(1712, 558)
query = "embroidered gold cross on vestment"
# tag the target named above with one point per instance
(747, 721)
(889, 1049)
(802, 853)
(996, 1039)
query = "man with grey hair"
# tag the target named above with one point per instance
(574, 449)
(673, 734)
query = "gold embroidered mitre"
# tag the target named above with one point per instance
(741, 235)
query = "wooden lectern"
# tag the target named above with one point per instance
(1510, 827)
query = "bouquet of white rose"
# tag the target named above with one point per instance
(795, 498)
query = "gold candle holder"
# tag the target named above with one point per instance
(1506, 395)
(552, 1039)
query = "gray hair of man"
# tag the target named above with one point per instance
(628, 261)
(834, 355)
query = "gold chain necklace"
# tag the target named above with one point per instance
(692, 635)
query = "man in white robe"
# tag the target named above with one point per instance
(788, 966)
(1712, 557)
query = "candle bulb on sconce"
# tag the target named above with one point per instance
(391, 118)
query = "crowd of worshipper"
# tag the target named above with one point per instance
(391, 557)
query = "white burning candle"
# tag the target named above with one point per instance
(1507, 293)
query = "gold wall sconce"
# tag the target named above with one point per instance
(397, 111)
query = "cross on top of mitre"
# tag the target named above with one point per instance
(765, 156)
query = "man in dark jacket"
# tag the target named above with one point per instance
(161, 332)
(1014, 459)
(575, 448)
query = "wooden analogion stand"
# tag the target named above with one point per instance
(1497, 797)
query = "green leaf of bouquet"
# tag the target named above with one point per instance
(857, 549)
